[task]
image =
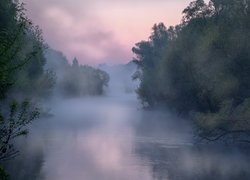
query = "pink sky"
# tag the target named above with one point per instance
(101, 31)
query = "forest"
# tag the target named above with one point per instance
(29, 74)
(200, 68)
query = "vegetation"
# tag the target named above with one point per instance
(25, 76)
(201, 68)
(13, 126)
(21, 53)
(25, 73)
(21, 75)
(75, 80)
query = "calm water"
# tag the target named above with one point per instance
(111, 138)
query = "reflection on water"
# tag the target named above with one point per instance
(111, 139)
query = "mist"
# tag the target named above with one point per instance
(112, 137)
(121, 82)
(90, 94)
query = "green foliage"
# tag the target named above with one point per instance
(3, 174)
(227, 121)
(148, 55)
(12, 29)
(201, 67)
(21, 52)
(22, 75)
(13, 123)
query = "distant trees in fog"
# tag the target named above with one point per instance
(201, 68)
(24, 79)
(75, 80)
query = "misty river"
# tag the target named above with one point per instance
(112, 138)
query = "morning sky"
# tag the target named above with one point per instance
(101, 31)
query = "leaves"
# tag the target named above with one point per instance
(200, 68)
(20, 116)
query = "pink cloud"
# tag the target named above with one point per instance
(102, 30)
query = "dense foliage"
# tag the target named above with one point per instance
(21, 54)
(201, 68)
(75, 80)
(27, 75)
(22, 75)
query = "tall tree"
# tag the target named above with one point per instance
(201, 68)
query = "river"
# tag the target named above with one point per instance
(113, 138)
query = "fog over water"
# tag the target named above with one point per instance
(125, 90)
(113, 138)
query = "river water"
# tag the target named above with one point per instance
(112, 138)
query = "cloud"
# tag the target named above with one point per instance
(87, 40)
(102, 30)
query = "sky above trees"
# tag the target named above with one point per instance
(101, 31)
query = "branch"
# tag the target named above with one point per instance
(21, 64)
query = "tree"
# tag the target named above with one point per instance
(15, 125)
(197, 9)
(21, 68)
(148, 54)
(75, 63)
(21, 51)
(200, 68)
(76, 80)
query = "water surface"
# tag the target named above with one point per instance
(112, 138)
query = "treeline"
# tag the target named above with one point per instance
(21, 54)
(26, 80)
(23, 80)
(201, 68)
(75, 80)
